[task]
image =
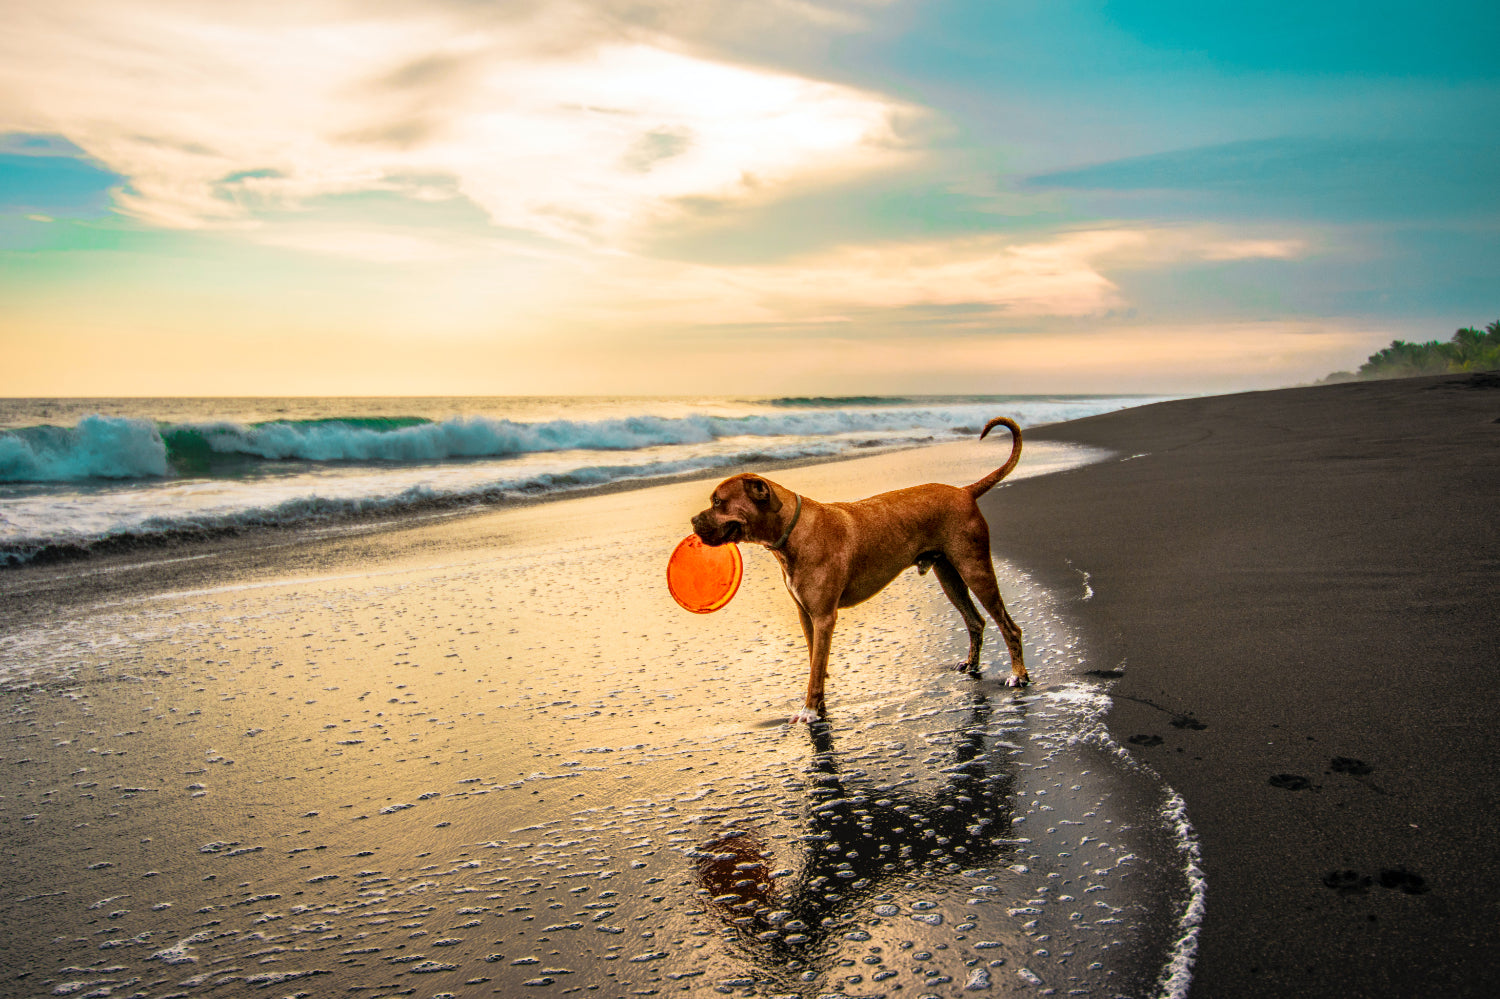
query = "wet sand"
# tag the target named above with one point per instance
(1301, 592)
(488, 755)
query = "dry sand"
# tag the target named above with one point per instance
(1302, 591)
(487, 755)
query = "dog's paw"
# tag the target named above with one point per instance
(804, 717)
(1017, 681)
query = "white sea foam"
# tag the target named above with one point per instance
(1090, 706)
(1082, 708)
(1177, 976)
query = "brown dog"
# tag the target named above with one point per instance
(836, 555)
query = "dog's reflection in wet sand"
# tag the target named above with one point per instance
(862, 839)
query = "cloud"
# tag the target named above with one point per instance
(537, 114)
(958, 281)
(381, 246)
(935, 287)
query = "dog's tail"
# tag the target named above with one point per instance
(987, 483)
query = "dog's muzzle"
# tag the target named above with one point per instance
(713, 534)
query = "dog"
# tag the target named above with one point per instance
(835, 555)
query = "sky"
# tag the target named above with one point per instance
(731, 197)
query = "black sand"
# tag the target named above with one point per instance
(1300, 589)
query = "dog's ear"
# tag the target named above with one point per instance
(761, 494)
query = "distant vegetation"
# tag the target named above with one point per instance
(1468, 350)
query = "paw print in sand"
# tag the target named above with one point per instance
(1290, 782)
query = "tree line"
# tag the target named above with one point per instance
(1469, 349)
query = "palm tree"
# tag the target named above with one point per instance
(1467, 350)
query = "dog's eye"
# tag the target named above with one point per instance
(717, 502)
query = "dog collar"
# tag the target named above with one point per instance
(781, 541)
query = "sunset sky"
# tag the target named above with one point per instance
(703, 196)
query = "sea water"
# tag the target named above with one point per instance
(78, 474)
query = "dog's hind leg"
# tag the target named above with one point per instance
(978, 572)
(953, 585)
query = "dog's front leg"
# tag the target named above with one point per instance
(819, 632)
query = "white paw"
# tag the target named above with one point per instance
(804, 717)
(1015, 681)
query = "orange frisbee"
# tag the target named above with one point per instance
(703, 579)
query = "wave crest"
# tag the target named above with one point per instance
(119, 448)
(99, 447)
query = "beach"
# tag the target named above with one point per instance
(485, 753)
(1299, 589)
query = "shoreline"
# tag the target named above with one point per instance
(124, 547)
(1294, 593)
(244, 548)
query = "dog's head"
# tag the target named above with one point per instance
(742, 508)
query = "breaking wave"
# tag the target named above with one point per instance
(114, 482)
(122, 448)
(99, 447)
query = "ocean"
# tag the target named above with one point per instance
(78, 475)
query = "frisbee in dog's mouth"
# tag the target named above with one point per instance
(702, 578)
